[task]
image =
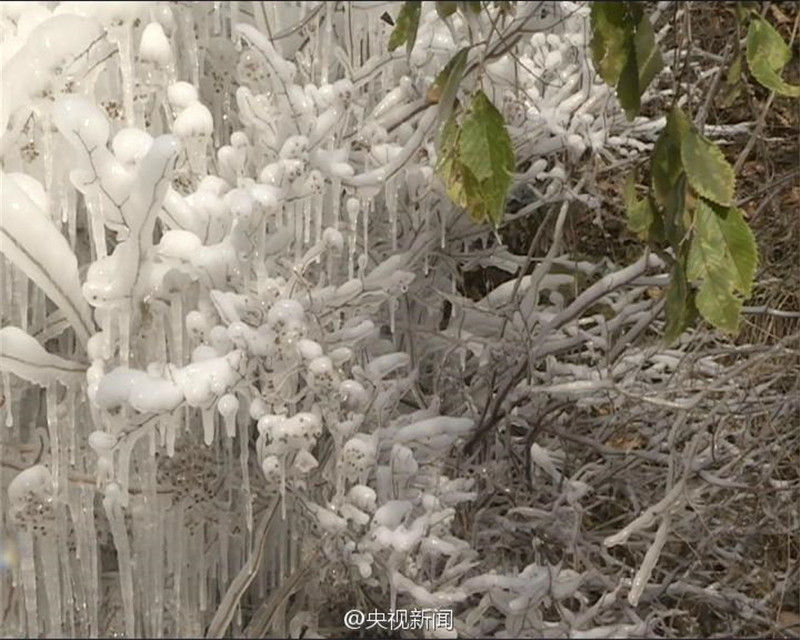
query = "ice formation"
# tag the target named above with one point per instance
(227, 330)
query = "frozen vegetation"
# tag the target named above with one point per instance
(246, 389)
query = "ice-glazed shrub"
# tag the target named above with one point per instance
(233, 263)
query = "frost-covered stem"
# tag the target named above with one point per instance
(649, 562)
(378, 177)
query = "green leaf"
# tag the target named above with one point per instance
(628, 87)
(610, 39)
(485, 149)
(648, 55)
(446, 9)
(470, 5)
(444, 88)
(709, 173)
(476, 160)
(732, 88)
(624, 50)
(741, 245)
(405, 28)
(641, 214)
(744, 9)
(448, 167)
(718, 305)
(723, 257)
(767, 54)
(665, 162)
(680, 306)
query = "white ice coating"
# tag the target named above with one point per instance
(382, 366)
(23, 356)
(55, 41)
(182, 94)
(138, 389)
(130, 146)
(392, 513)
(300, 349)
(193, 121)
(154, 45)
(33, 480)
(32, 242)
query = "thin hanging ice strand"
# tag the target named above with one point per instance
(366, 205)
(51, 401)
(233, 8)
(97, 226)
(124, 320)
(85, 529)
(175, 541)
(48, 162)
(112, 503)
(27, 571)
(244, 459)
(122, 35)
(353, 207)
(327, 33)
(202, 567)
(49, 561)
(176, 327)
(7, 399)
(22, 297)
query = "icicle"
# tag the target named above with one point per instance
(244, 459)
(68, 596)
(366, 205)
(336, 196)
(27, 570)
(38, 309)
(176, 326)
(233, 6)
(283, 489)
(70, 205)
(217, 17)
(116, 518)
(328, 45)
(391, 205)
(392, 308)
(90, 565)
(71, 427)
(7, 399)
(190, 42)
(196, 153)
(176, 543)
(51, 398)
(107, 321)
(98, 228)
(124, 321)
(22, 297)
(124, 461)
(207, 416)
(157, 557)
(201, 558)
(172, 433)
(48, 554)
(316, 201)
(48, 162)
(306, 221)
(123, 37)
(353, 207)
(222, 537)
(297, 224)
